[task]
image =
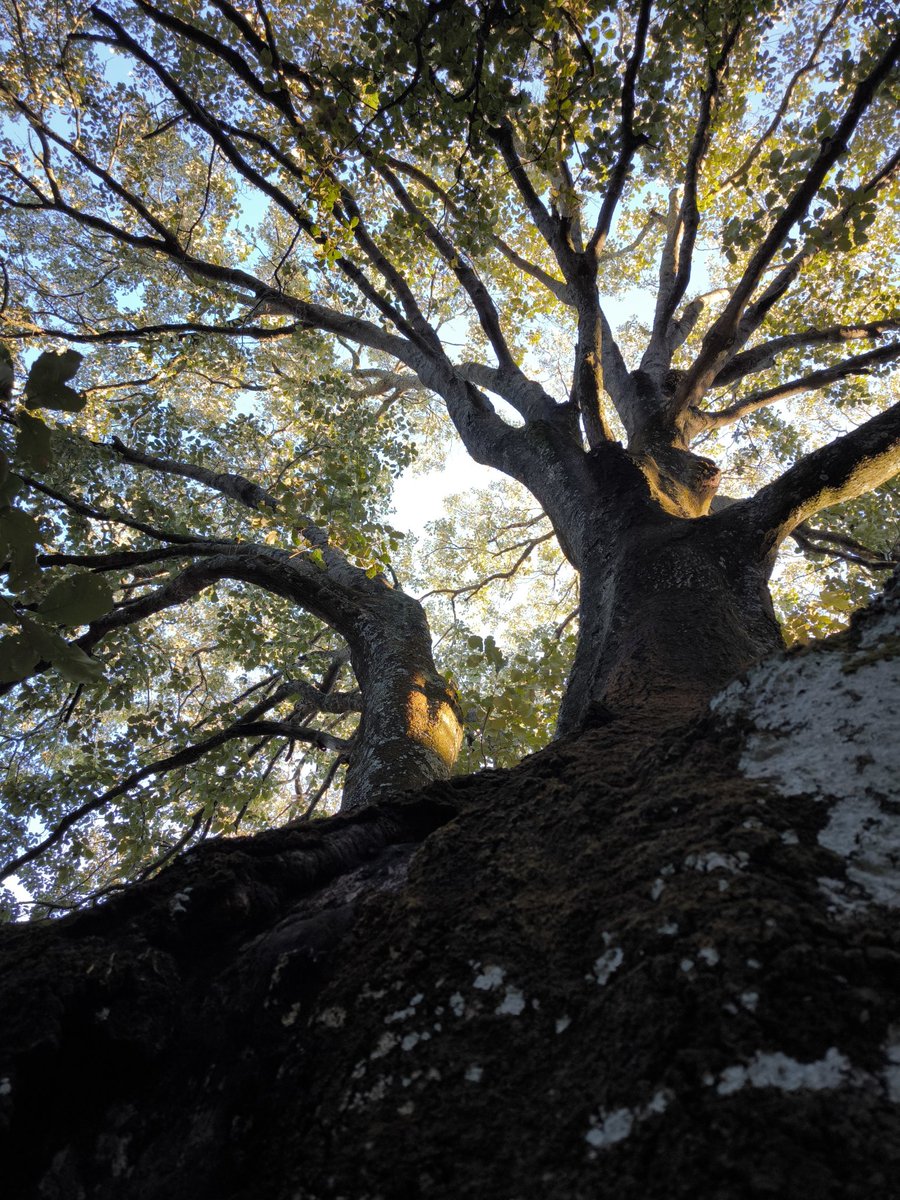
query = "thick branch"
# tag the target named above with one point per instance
(551, 230)
(484, 306)
(178, 329)
(556, 286)
(842, 470)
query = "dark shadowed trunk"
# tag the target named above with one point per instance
(673, 605)
(644, 964)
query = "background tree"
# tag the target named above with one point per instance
(202, 197)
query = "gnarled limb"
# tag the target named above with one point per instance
(846, 468)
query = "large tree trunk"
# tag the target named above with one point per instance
(673, 606)
(640, 965)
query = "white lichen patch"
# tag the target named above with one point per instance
(687, 965)
(490, 978)
(867, 837)
(790, 838)
(291, 1015)
(102, 1014)
(474, 1073)
(367, 992)
(607, 965)
(180, 901)
(709, 955)
(714, 860)
(614, 1127)
(562, 1024)
(777, 1070)
(659, 886)
(825, 724)
(333, 1017)
(667, 929)
(407, 1109)
(384, 1045)
(376, 1092)
(843, 900)
(400, 1014)
(457, 1004)
(609, 1128)
(512, 1004)
(891, 1072)
(750, 1000)
(276, 974)
(5, 1086)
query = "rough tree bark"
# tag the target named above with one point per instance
(642, 964)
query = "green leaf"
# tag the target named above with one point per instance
(77, 600)
(18, 537)
(18, 658)
(33, 442)
(70, 660)
(47, 386)
(76, 666)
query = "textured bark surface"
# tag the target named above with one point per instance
(640, 965)
(672, 608)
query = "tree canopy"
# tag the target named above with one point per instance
(260, 261)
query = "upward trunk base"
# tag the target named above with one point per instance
(636, 967)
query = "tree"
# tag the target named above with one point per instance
(436, 174)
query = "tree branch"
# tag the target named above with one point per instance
(842, 470)
(721, 337)
(628, 142)
(484, 306)
(181, 758)
(838, 545)
(102, 514)
(760, 358)
(550, 229)
(809, 65)
(236, 487)
(860, 364)
(556, 286)
(677, 259)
